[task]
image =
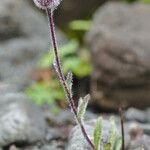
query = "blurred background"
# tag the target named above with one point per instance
(105, 44)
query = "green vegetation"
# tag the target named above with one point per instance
(145, 1)
(113, 142)
(45, 92)
(83, 102)
(72, 59)
(98, 133)
(80, 25)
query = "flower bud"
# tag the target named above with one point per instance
(45, 4)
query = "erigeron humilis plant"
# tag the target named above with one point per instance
(49, 6)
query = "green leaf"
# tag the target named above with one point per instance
(69, 82)
(70, 63)
(45, 92)
(79, 67)
(118, 143)
(80, 25)
(98, 133)
(82, 107)
(112, 133)
(69, 59)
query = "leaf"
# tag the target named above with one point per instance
(70, 63)
(112, 133)
(118, 143)
(45, 92)
(82, 107)
(69, 81)
(98, 133)
(79, 67)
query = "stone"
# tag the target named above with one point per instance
(138, 139)
(133, 114)
(44, 147)
(48, 147)
(143, 126)
(144, 142)
(23, 39)
(119, 42)
(64, 117)
(8, 88)
(55, 133)
(21, 121)
(148, 114)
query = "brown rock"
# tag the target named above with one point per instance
(119, 41)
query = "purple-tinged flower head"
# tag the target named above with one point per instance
(47, 4)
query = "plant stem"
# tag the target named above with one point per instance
(62, 77)
(122, 127)
(57, 61)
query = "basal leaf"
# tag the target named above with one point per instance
(98, 133)
(118, 143)
(112, 133)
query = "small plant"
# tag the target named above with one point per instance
(113, 141)
(49, 6)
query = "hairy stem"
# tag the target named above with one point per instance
(122, 127)
(62, 77)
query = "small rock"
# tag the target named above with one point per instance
(144, 126)
(20, 120)
(8, 88)
(138, 139)
(148, 115)
(54, 133)
(63, 117)
(135, 131)
(48, 147)
(133, 114)
(13, 147)
(144, 142)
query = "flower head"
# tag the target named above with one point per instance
(45, 4)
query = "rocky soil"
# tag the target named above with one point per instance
(26, 126)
